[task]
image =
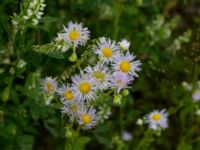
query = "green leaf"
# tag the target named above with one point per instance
(102, 129)
(6, 93)
(26, 142)
(81, 143)
(104, 140)
(185, 146)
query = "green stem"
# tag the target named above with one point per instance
(118, 10)
(77, 60)
(146, 141)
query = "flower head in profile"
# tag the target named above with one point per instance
(120, 81)
(49, 85)
(67, 94)
(84, 87)
(87, 117)
(71, 109)
(124, 44)
(157, 119)
(126, 64)
(100, 74)
(76, 34)
(106, 49)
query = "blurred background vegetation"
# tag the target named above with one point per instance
(164, 35)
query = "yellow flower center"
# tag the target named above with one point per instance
(85, 87)
(86, 118)
(107, 52)
(74, 108)
(125, 66)
(49, 86)
(119, 82)
(156, 117)
(69, 95)
(99, 75)
(74, 35)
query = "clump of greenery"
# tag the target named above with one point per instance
(159, 110)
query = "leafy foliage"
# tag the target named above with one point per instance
(164, 36)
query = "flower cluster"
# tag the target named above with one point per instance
(33, 10)
(115, 70)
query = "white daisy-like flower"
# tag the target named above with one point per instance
(49, 85)
(67, 94)
(126, 136)
(100, 74)
(124, 44)
(71, 109)
(84, 87)
(196, 95)
(76, 34)
(106, 49)
(158, 119)
(126, 64)
(87, 117)
(120, 81)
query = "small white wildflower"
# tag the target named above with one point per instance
(120, 81)
(124, 44)
(71, 109)
(76, 34)
(196, 95)
(84, 87)
(87, 117)
(126, 64)
(100, 74)
(49, 85)
(106, 49)
(67, 94)
(126, 136)
(157, 119)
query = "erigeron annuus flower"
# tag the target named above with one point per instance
(106, 49)
(124, 44)
(76, 34)
(87, 117)
(100, 74)
(71, 109)
(126, 64)
(84, 87)
(196, 95)
(67, 94)
(157, 119)
(49, 85)
(120, 81)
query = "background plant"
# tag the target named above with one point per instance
(164, 36)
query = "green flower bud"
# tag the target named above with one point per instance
(73, 57)
(125, 92)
